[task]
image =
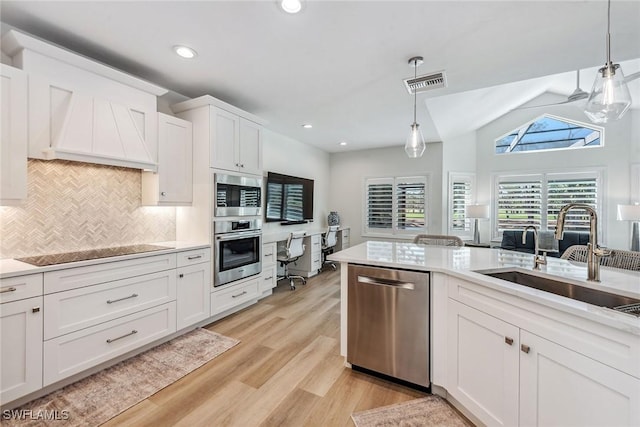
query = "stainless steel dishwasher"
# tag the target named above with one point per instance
(388, 322)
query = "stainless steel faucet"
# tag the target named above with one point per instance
(538, 260)
(594, 252)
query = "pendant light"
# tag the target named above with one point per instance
(610, 97)
(415, 145)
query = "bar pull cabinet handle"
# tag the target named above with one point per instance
(508, 340)
(386, 282)
(35, 310)
(266, 255)
(110, 340)
(268, 278)
(194, 257)
(5, 290)
(525, 348)
(239, 295)
(111, 301)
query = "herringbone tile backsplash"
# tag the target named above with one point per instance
(75, 206)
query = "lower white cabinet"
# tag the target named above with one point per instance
(311, 261)
(21, 349)
(194, 290)
(230, 296)
(269, 279)
(508, 376)
(75, 352)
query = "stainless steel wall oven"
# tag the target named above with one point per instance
(237, 195)
(237, 250)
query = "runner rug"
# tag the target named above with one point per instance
(105, 394)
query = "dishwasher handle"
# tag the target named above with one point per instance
(386, 282)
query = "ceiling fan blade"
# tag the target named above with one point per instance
(568, 101)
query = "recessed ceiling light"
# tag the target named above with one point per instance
(307, 125)
(185, 52)
(291, 6)
(343, 143)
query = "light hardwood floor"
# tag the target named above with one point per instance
(287, 370)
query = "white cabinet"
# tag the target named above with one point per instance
(194, 287)
(310, 262)
(13, 128)
(172, 184)
(344, 239)
(236, 143)
(269, 277)
(507, 376)
(559, 386)
(232, 296)
(21, 349)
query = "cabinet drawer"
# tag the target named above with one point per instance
(195, 256)
(316, 244)
(81, 308)
(234, 295)
(20, 287)
(71, 278)
(316, 263)
(78, 351)
(269, 279)
(269, 254)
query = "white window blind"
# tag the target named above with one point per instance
(537, 199)
(461, 188)
(395, 205)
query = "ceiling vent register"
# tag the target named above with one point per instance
(426, 82)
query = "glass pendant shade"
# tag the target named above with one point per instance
(610, 97)
(415, 145)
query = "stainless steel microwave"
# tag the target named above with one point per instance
(237, 195)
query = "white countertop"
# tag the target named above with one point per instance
(463, 261)
(12, 267)
(279, 236)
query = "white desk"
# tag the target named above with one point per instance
(310, 263)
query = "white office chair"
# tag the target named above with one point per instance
(293, 251)
(329, 241)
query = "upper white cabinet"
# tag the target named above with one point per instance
(13, 146)
(234, 136)
(82, 110)
(172, 184)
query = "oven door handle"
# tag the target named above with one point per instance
(239, 235)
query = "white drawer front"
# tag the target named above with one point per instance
(20, 287)
(233, 295)
(71, 278)
(195, 256)
(316, 263)
(76, 352)
(269, 254)
(316, 244)
(269, 279)
(81, 308)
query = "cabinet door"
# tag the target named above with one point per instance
(483, 364)
(193, 296)
(224, 143)
(250, 147)
(13, 145)
(561, 387)
(21, 361)
(172, 184)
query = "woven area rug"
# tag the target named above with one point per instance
(101, 396)
(427, 411)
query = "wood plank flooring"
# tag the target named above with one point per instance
(287, 370)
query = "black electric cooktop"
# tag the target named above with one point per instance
(62, 258)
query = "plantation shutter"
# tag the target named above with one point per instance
(379, 203)
(519, 202)
(564, 190)
(461, 196)
(410, 203)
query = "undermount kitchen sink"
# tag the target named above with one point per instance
(568, 290)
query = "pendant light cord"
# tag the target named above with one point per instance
(608, 32)
(415, 93)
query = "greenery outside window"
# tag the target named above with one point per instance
(549, 133)
(396, 205)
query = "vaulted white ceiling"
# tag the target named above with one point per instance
(340, 64)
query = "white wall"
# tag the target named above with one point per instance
(348, 171)
(284, 155)
(614, 157)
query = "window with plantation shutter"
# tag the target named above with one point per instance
(537, 199)
(461, 188)
(395, 205)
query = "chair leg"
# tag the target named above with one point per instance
(292, 284)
